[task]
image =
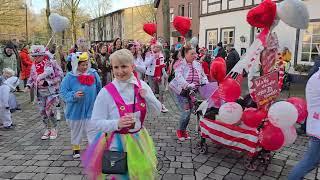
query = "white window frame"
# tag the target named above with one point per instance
(214, 36)
(190, 10)
(230, 39)
(171, 14)
(310, 39)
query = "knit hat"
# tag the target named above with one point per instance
(38, 50)
(78, 57)
(294, 13)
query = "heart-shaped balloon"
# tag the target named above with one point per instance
(182, 24)
(263, 15)
(150, 28)
(58, 23)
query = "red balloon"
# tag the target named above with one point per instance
(218, 69)
(271, 138)
(301, 106)
(229, 90)
(150, 28)
(182, 24)
(253, 117)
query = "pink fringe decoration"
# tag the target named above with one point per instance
(92, 157)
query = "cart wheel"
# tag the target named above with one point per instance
(267, 158)
(203, 149)
(198, 145)
(250, 164)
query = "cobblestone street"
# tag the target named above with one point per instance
(23, 155)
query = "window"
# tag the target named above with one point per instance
(211, 39)
(171, 15)
(310, 42)
(227, 35)
(181, 10)
(190, 10)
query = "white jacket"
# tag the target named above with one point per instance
(313, 102)
(150, 62)
(181, 73)
(140, 67)
(105, 115)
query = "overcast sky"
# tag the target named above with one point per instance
(37, 5)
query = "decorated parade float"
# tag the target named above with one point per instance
(261, 122)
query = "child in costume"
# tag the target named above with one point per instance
(156, 73)
(45, 78)
(7, 98)
(120, 110)
(79, 90)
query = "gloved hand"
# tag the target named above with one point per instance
(191, 86)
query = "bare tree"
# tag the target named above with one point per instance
(73, 6)
(98, 8)
(48, 12)
(147, 12)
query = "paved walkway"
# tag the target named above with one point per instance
(24, 156)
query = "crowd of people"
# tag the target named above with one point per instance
(108, 87)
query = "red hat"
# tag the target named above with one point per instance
(263, 15)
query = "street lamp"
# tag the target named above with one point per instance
(242, 39)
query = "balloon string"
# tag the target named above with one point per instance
(50, 40)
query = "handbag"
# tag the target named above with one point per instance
(115, 162)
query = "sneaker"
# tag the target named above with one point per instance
(8, 128)
(164, 109)
(53, 134)
(46, 134)
(180, 136)
(76, 154)
(186, 135)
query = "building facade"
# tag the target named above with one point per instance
(125, 23)
(225, 21)
(188, 8)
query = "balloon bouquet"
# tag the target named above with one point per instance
(256, 125)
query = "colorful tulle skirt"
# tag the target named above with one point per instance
(141, 156)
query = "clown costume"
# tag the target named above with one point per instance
(45, 78)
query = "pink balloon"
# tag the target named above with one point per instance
(301, 106)
(290, 135)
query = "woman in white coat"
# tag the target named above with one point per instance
(311, 158)
(154, 61)
(189, 75)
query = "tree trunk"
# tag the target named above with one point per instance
(166, 20)
(48, 14)
(74, 29)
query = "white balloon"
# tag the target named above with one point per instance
(58, 23)
(230, 113)
(194, 42)
(283, 114)
(290, 135)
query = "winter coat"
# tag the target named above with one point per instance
(232, 59)
(26, 64)
(7, 62)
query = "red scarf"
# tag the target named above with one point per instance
(86, 79)
(40, 65)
